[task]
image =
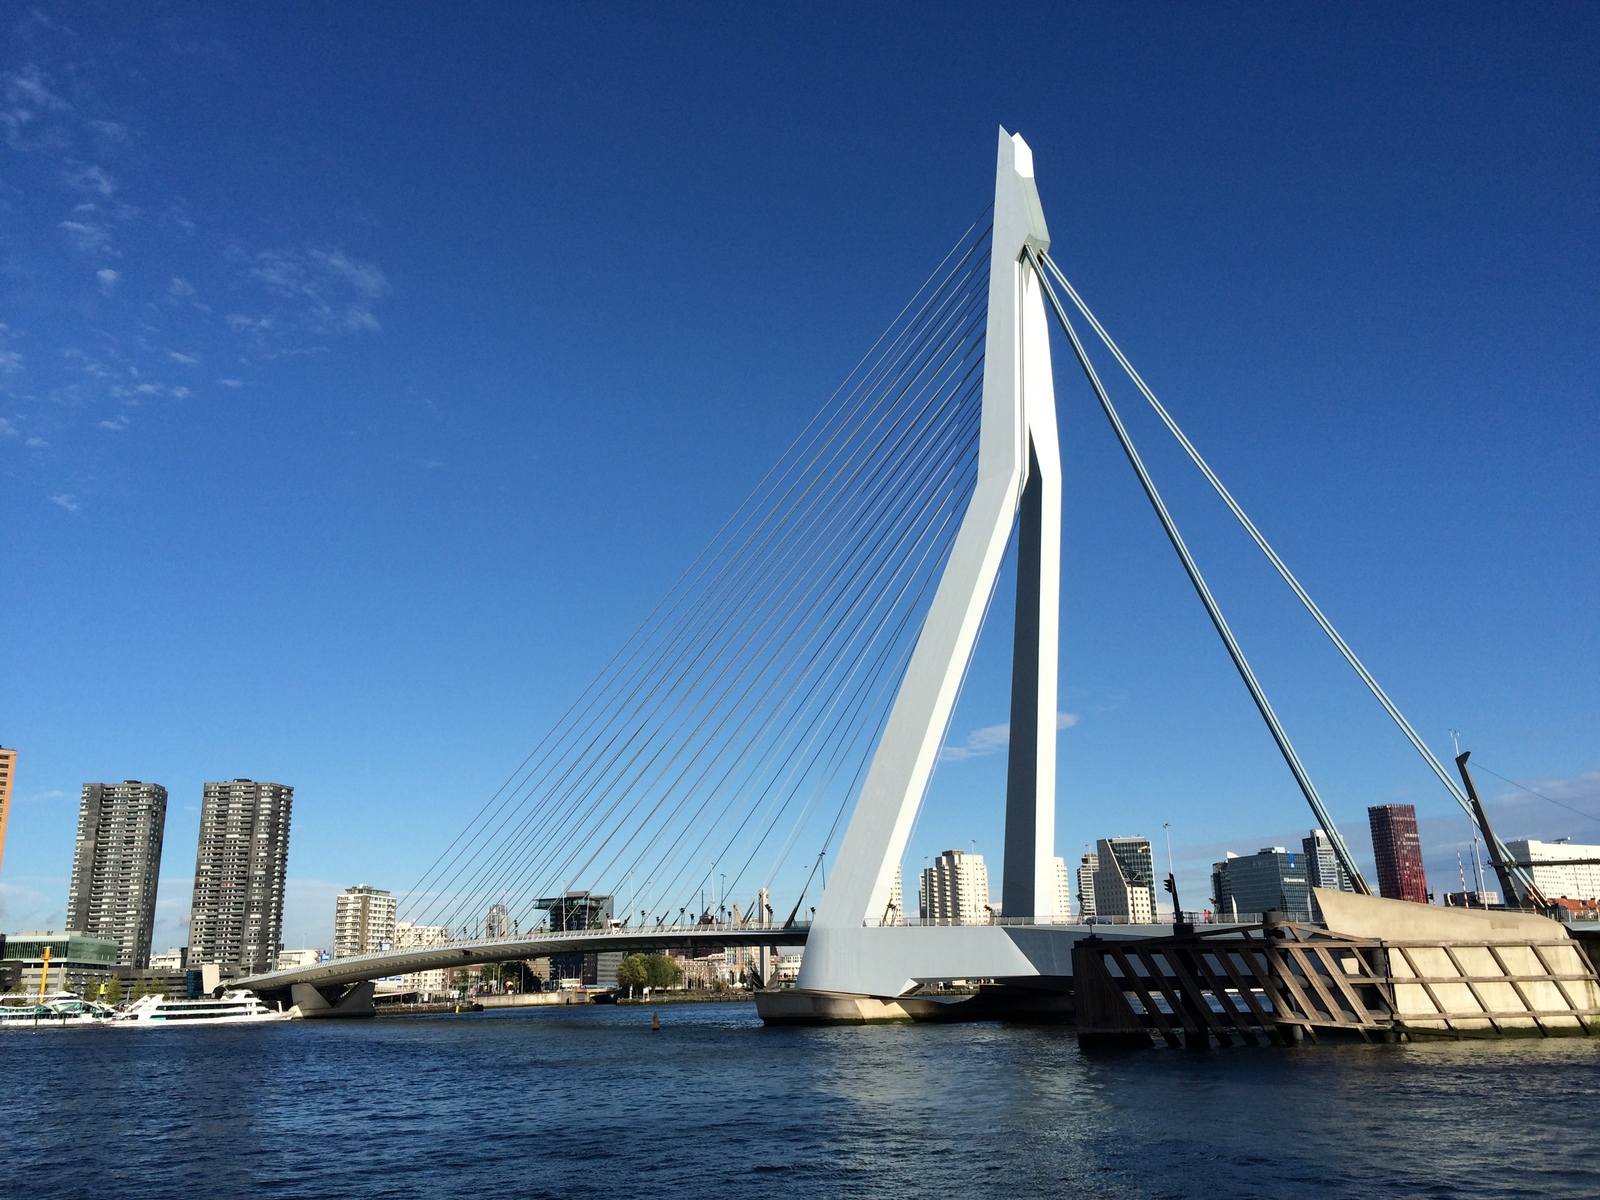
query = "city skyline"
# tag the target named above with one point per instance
(418, 566)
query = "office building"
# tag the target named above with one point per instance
(77, 963)
(1063, 891)
(955, 890)
(497, 922)
(8, 771)
(363, 921)
(1398, 849)
(1323, 868)
(1272, 879)
(116, 865)
(1087, 866)
(1125, 881)
(408, 935)
(236, 920)
(571, 912)
(1561, 869)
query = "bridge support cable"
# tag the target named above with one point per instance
(679, 656)
(1192, 569)
(799, 763)
(1272, 556)
(792, 708)
(618, 666)
(879, 508)
(834, 416)
(739, 704)
(903, 345)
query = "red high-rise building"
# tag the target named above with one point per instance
(1398, 849)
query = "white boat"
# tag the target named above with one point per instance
(58, 1010)
(231, 1008)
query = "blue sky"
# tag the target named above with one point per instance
(366, 375)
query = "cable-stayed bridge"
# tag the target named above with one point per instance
(771, 728)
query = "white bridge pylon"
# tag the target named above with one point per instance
(854, 946)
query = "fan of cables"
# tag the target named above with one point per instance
(718, 751)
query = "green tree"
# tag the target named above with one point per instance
(664, 971)
(639, 971)
(113, 991)
(633, 973)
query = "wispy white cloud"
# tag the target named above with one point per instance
(90, 237)
(28, 102)
(86, 177)
(112, 131)
(231, 383)
(67, 501)
(187, 360)
(991, 739)
(38, 443)
(1578, 796)
(108, 280)
(8, 430)
(116, 424)
(333, 292)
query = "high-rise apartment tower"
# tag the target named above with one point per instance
(1398, 849)
(239, 870)
(955, 890)
(1087, 866)
(363, 921)
(1063, 891)
(116, 865)
(8, 769)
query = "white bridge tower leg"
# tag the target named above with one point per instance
(1019, 477)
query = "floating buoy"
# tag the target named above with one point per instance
(655, 1022)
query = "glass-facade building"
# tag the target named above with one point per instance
(1398, 850)
(1270, 879)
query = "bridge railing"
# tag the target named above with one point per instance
(542, 934)
(1193, 918)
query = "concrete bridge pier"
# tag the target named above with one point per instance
(354, 1000)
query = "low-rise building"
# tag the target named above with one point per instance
(174, 958)
(705, 970)
(1561, 869)
(75, 962)
(408, 935)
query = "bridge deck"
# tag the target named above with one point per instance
(450, 955)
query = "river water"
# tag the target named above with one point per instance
(563, 1102)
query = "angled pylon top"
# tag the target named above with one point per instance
(1018, 215)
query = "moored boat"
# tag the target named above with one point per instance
(55, 1011)
(235, 1007)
